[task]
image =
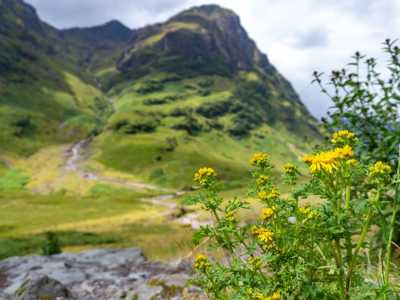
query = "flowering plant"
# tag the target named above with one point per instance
(291, 250)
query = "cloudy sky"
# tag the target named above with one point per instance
(299, 36)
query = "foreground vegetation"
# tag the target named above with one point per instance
(294, 251)
(339, 249)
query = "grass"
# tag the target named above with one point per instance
(109, 217)
(13, 179)
(42, 113)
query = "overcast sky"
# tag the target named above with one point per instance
(299, 36)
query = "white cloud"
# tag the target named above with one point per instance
(298, 36)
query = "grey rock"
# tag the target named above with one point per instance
(43, 288)
(100, 275)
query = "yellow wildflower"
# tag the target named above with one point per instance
(260, 296)
(255, 262)
(262, 180)
(259, 159)
(323, 161)
(290, 169)
(304, 210)
(263, 234)
(343, 137)
(308, 212)
(276, 296)
(267, 213)
(344, 152)
(201, 262)
(273, 194)
(230, 216)
(204, 175)
(351, 162)
(379, 169)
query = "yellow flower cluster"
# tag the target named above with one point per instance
(201, 262)
(229, 216)
(268, 212)
(344, 152)
(273, 194)
(263, 234)
(274, 296)
(379, 169)
(204, 175)
(290, 169)
(262, 180)
(254, 262)
(343, 137)
(259, 159)
(308, 212)
(328, 161)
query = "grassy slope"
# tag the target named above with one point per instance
(145, 154)
(41, 113)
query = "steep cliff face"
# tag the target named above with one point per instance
(99, 45)
(207, 35)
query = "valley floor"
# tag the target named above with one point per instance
(89, 207)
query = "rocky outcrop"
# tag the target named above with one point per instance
(206, 34)
(43, 288)
(95, 275)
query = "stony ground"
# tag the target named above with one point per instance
(95, 275)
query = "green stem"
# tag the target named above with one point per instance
(388, 253)
(339, 266)
(349, 244)
(360, 242)
(348, 197)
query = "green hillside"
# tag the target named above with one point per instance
(196, 91)
(44, 97)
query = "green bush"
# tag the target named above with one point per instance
(133, 123)
(150, 86)
(368, 103)
(214, 109)
(297, 251)
(52, 245)
(191, 125)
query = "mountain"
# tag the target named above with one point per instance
(194, 90)
(45, 96)
(98, 45)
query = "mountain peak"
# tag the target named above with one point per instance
(208, 34)
(210, 10)
(111, 31)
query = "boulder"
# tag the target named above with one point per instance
(43, 288)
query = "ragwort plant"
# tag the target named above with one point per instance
(292, 251)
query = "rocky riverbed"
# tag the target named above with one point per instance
(95, 275)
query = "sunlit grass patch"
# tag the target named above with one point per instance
(13, 179)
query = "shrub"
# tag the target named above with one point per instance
(191, 125)
(150, 86)
(213, 109)
(296, 251)
(52, 244)
(368, 103)
(129, 124)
